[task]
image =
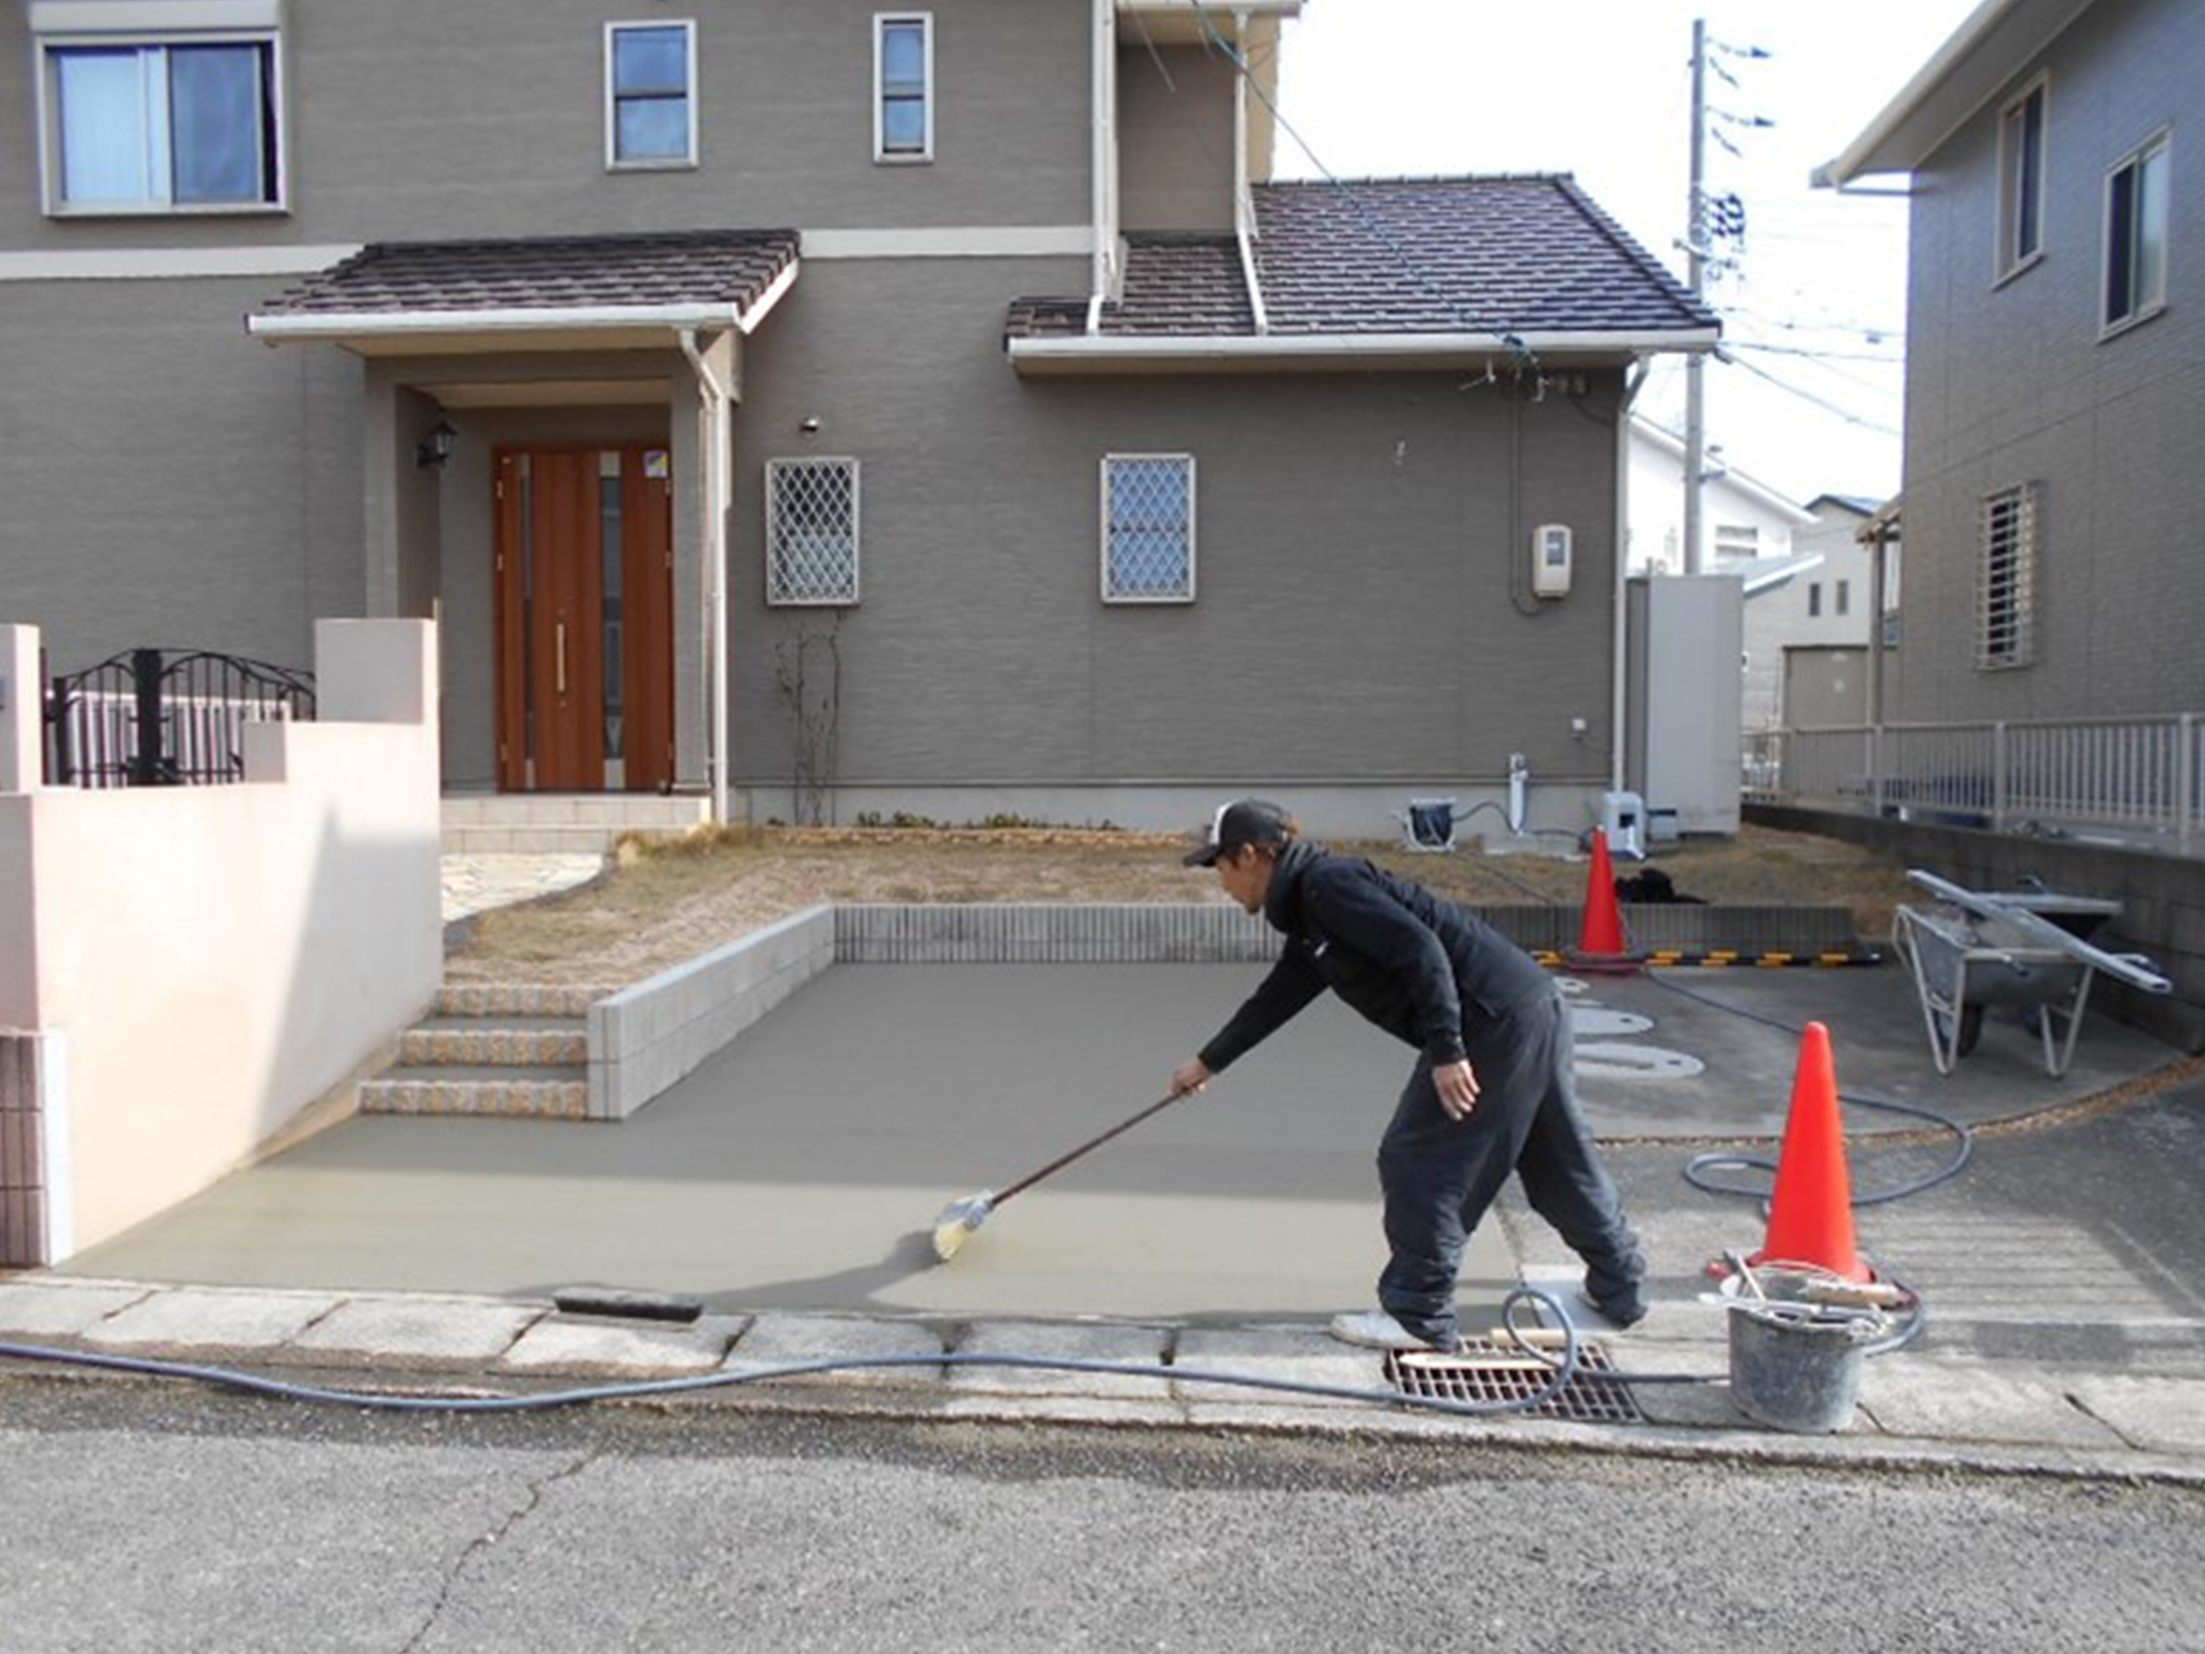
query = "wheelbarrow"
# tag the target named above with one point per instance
(2027, 949)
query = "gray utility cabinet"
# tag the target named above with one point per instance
(1684, 644)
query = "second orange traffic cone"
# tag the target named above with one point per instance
(1600, 941)
(1811, 1214)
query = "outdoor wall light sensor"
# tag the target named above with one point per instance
(435, 448)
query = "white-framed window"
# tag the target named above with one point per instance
(903, 86)
(2136, 227)
(2021, 151)
(1148, 528)
(651, 94)
(811, 532)
(2005, 590)
(184, 117)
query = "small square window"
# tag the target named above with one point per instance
(811, 532)
(2136, 236)
(1148, 528)
(650, 94)
(174, 125)
(2021, 141)
(903, 86)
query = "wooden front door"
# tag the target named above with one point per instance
(585, 619)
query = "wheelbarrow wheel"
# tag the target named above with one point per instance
(1971, 1027)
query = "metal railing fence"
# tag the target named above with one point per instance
(2141, 778)
(155, 718)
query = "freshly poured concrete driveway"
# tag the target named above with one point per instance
(803, 1167)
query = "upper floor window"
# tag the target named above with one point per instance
(2005, 588)
(2021, 180)
(180, 121)
(2136, 236)
(1148, 528)
(1737, 540)
(650, 94)
(903, 86)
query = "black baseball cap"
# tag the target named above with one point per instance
(1243, 821)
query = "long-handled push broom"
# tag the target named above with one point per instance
(961, 1217)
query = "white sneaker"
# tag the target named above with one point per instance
(1374, 1329)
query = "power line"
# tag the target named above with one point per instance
(1821, 402)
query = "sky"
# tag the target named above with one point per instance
(1602, 89)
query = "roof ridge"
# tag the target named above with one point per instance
(581, 238)
(1419, 178)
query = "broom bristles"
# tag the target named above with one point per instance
(958, 1220)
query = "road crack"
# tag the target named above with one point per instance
(538, 1490)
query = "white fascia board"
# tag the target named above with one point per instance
(762, 306)
(1951, 87)
(1119, 350)
(1769, 579)
(343, 324)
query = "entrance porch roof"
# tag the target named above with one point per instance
(539, 292)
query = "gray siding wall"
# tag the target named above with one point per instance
(2012, 383)
(1176, 144)
(166, 480)
(420, 119)
(1354, 566)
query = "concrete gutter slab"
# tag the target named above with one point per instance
(1908, 1395)
(584, 1347)
(1063, 1341)
(2159, 1415)
(779, 1340)
(416, 1332)
(54, 1307)
(192, 1320)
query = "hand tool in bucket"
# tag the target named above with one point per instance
(961, 1217)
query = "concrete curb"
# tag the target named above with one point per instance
(1916, 1413)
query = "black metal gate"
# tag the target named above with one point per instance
(164, 718)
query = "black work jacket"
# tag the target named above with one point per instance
(1416, 965)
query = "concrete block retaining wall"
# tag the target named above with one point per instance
(645, 1038)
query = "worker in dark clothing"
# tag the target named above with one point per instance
(1492, 1091)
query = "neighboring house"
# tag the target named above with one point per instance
(935, 402)
(1744, 521)
(1810, 622)
(2055, 463)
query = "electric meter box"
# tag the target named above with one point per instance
(1550, 560)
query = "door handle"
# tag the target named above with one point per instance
(562, 657)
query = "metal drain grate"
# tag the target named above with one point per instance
(1483, 1372)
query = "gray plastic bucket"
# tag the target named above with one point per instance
(1793, 1371)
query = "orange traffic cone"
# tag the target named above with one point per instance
(1811, 1215)
(1600, 942)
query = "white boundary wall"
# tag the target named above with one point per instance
(198, 964)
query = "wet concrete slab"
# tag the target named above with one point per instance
(803, 1168)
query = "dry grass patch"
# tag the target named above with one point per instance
(667, 902)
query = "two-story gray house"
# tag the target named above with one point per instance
(2055, 464)
(939, 402)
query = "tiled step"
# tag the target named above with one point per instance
(561, 823)
(547, 1093)
(507, 1000)
(500, 1042)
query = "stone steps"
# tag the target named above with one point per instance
(501, 1050)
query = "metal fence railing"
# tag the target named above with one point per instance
(2141, 778)
(151, 718)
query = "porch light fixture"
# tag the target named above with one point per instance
(435, 448)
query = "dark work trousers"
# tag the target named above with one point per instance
(1440, 1175)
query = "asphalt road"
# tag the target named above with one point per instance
(160, 1518)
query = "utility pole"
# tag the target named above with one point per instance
(1695, 365)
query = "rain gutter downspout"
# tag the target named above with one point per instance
(1104, 164)
(715, 399)
(1244, 201)
(1620, 668)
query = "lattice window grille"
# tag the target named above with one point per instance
(1148, 528)
(811, 531)
(2005, 596)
